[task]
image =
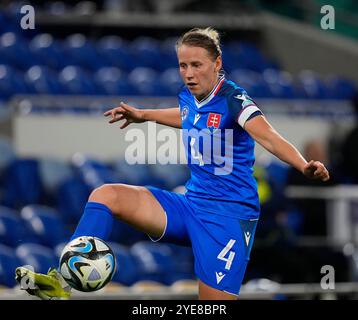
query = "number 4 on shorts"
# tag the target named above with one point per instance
(225, 251)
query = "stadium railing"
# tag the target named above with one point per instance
(339, 200)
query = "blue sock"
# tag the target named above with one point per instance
(96, 221)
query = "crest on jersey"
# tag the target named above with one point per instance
(213, 120)
(184, 113)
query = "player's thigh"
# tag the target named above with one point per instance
(134, 205)
(209, 293)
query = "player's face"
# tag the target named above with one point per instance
(198, 70)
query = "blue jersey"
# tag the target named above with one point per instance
(220, 153)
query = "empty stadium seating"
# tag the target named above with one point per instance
(127, 267)
(8, 23)
(144, 66)
(155, 262)
(8, 263)
(42, 80)
(46, 224)
(146, 52)
(40, 257)
(18, 176)
(163, 263)
(72, 196)
(48, 50)
(114, 51)
(11, 82)
(13, 230)
(53, 172)
(77, 81)
(114, 81)
(14, 50)
(82, 52)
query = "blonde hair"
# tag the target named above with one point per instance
(207, 38)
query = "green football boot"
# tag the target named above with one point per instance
(50, 286)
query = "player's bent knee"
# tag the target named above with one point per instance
(106, 194)
(132, 204)
(121, 199)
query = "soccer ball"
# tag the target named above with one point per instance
(87, 263)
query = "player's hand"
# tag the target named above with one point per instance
(316, 170)
(125, 112)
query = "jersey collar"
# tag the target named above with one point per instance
(212, 93)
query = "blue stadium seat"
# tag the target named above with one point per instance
(41, 258)
(132, 174)
(77, 81)
(8, 263)
(137, 174)
(82, 52)
(94, 173)
(72, 197)
(57, 8)
(169, 56)
(114, 52)
(49, 51)
(162, 262)
(230, 55)
(341, 88)
(252, 82)
(171, 80)
(114, 81)
(244, 55)
(15, 50)
(46, 224)
(3, 23)
(157, 262)
(43, 80)
(22, 183)
(146, 81)
(280, 83)
(252, 58)
(53, 172)
(9, 24)
(311, 86)
(13, 231)
(127, 268)
(146, 52)
(11, 82)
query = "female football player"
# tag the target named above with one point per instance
(219, 212)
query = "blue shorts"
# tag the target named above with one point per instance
(221, 244)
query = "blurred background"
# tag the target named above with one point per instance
(84, 57)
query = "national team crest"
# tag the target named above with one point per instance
(184, 113)
(213, 120)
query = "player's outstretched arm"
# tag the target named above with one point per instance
(260, 129)
(169, 117)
